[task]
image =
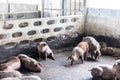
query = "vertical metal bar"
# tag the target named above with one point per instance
(8, 6)
(51, 9)
(85, 14)
(75, 7)
(79, 5)
(84, 5)
(70, 7)
(43, 7)
(63, 7)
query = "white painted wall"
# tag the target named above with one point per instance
(107, 4)
(36, 2)
(31, 2)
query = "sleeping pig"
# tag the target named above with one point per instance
(10, 73)
(102, 72)
(31, 77)
(94, 47)
(12, 63)
(111, 51)
(80, 51)
(44, 51)
(30, 63)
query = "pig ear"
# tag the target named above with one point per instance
(69, 58)
(3, 67)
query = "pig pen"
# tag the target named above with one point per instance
(62, 34)
(60, 69)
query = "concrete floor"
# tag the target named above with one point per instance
(60, 69)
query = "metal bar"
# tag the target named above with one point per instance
(75, 6)
(51, 9)
(79, 4)
(43, 6)
(63, 8)
(70, 7)
(85, 13)
(8, 4)
(84, 6)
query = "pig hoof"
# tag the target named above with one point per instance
(53, 58)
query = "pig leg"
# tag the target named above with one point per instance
(82, 59)
(72, 62)
(97, 55)
(92, 55)
(85, 56)
(2, 67)
(115, 78)
(52, 56)
(39, 54)
(45, 56)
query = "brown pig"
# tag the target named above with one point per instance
(116, 69)
(10, 73)
(111, 51)
(13, 63)
(30, 63)
(80, 51)
(44, 51)
(94, 47)
(102, 72)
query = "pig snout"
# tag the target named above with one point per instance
(38, 68)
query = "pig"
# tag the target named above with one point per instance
(116, 69)
(12, 63)
(80, 51)
(30, 63)
(31, 77)
(94, 47)
(10, 73)
(111, 51)
(102, 72)
(103, 44)
(44, 51)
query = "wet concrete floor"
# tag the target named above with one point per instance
(60, 69)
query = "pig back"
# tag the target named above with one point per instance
(93, 44)
(12, 63)
(84, 46)
(10, 73)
